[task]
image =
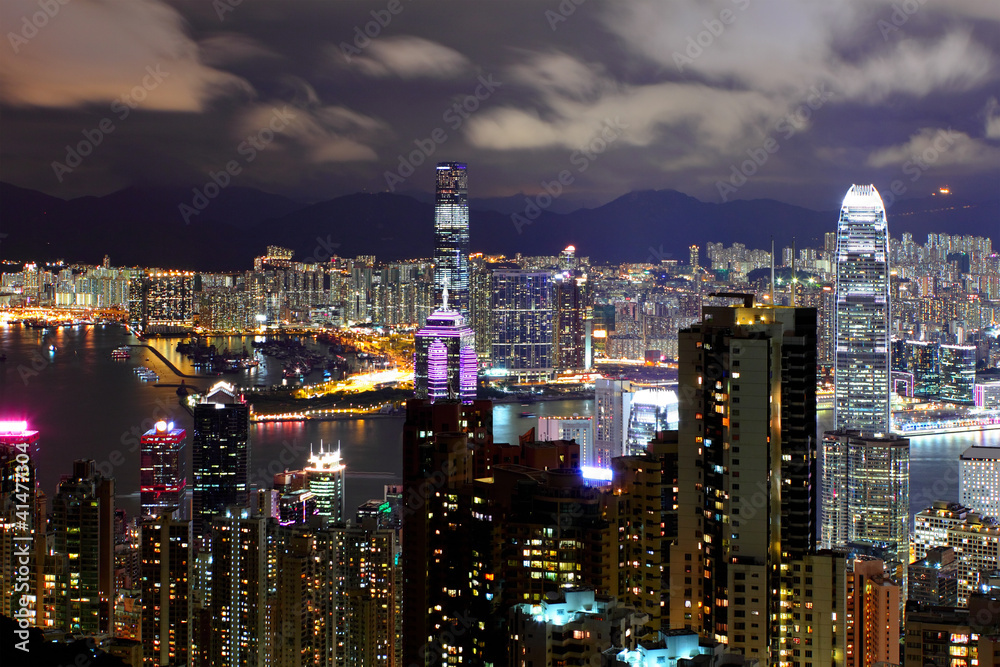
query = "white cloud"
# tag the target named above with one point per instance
(319, 134)
(410, 58)
(95, 51)
(937, 147)
(992, 113)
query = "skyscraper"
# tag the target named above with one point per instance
(83, 513)
(862, 355)
(220, 455)
(165, 546)
(162, 482)
(522, 323)
(444, 357)
(571, 329)
(746, 470)
(325, 478)
(613, 405)
(451, 235)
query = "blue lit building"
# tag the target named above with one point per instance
(523, 315)
(451, 235)
(862, 366)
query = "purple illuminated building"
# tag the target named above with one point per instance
(445, 357)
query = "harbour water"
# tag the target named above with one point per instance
(85, 404)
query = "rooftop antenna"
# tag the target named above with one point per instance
(772, 270)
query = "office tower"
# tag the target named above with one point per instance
(873, 614)
(975, 539)
(325, 479)
(165, 547)
(162, 481)
(83, 513)
(220, 456)
(575, 428)
(651, 410)
(21, 536)
(746, 472)
(481, 303)
(451, 235)
(522, 324)
(866, 493)
(693, 259)
(921, 360)
(575, 624)
(573, 320)
(863, 318)
(437, 464)
(240, 630)
(979, 480)
(613, 405)
(444, 357)
(957, 371)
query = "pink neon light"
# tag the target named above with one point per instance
(13, 427)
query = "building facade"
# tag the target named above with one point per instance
(451, 235)
(863, 314)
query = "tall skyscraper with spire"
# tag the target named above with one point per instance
(451, 236)
(865, 488)
(862, 347)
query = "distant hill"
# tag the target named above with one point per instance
(146, 226)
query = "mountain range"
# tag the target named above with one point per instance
(172, 227)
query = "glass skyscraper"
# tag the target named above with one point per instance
(862, 347)
(451, 236)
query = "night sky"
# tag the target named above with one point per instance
(800, 98)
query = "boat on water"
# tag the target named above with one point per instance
(525, 415)
(122, 352)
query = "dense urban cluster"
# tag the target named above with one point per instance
(698, 520)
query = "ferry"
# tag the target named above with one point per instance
(122, 352)
(526, 415)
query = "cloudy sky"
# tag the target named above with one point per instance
(318, 99)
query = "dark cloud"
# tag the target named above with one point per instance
(834, 92)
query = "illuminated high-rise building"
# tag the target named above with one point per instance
(957, 370)
(451, 235)
(746, 471)
(165, 548)
(162, 302)
(444, 357)
(325, 479)
(866, 494)
(20, 535)
(522, 324)
(573, 321)
(220, 455)
(240, 633)
(438, 442)
(83, 513)
(862, 367)
(162, 482)
(979, 480)
(613, 405)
